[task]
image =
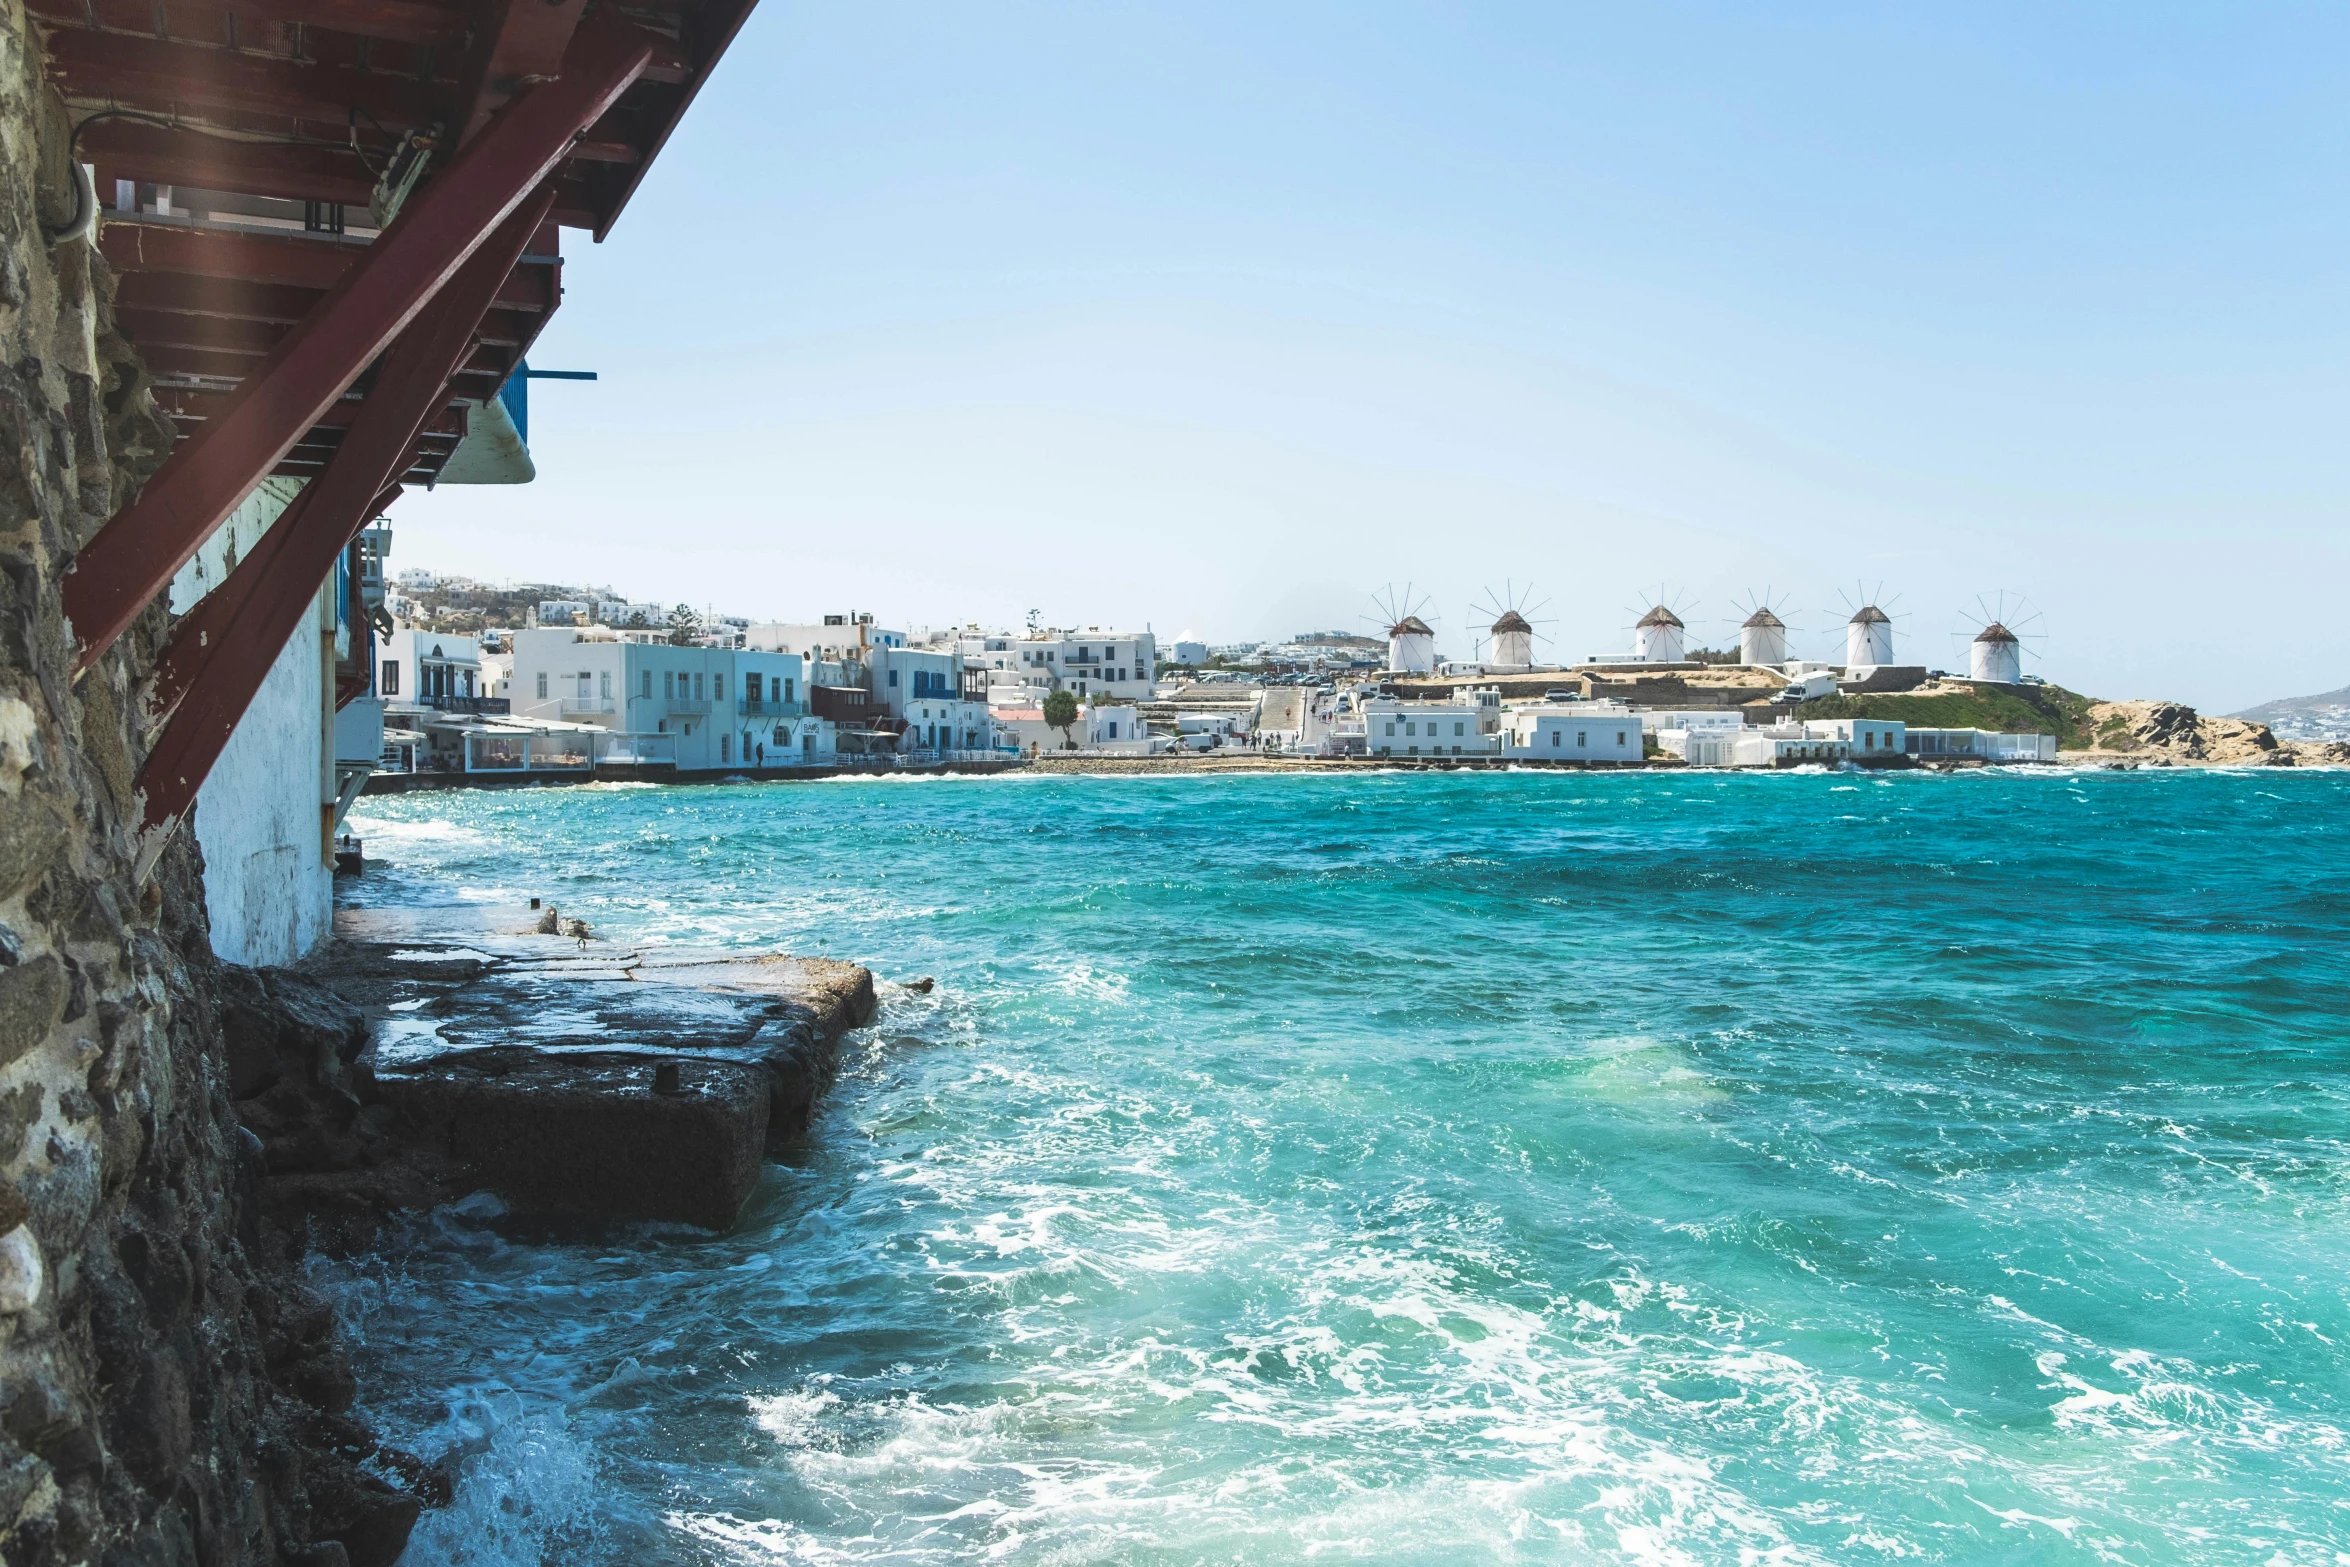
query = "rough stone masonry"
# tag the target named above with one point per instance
(169, 1392)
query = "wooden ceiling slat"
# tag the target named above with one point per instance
(152, 250)
(163, 76)
(130, 150)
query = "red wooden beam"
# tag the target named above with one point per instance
(706, 33)
(223, 648)
(133, 557)
(516, 42)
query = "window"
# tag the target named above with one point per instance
(1391, 726)
(648, 684)
(1113, 729)
(893, 677)
(775, 688)
(391, 677)
(725, 743)
(698, 688)
(604, 685)
(669, 685)
(585, 679)
(1556, 735)
(1619, 737)
(1411, 726)
(542, 685)
(718, 688)
(1458, 729)
(787, 696)
(1582, 738)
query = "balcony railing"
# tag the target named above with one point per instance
(586, 704)
(685, 704)
(759, 707)
(454, 704)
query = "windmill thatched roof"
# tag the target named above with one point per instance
(1763, 617)
(1870, 615)
(1995, 632)
(1410, 626)
(1510, 620)
(1660, 616)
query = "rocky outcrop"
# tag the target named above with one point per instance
(169, 1390)
(2171, 733)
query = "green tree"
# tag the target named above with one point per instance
(684, 626)
(1060, 711)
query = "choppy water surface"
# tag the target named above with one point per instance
(1432, 1168)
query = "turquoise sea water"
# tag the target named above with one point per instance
(1649, 1168)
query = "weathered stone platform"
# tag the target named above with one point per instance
(567, 1076)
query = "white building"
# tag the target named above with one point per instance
(1996, 655)
(1411, 647)
(1603, 732)
(564, 612)
(1657, 637)
(618, 613)
(1984, 744)
(1786, 745)
(1395, 727)
(427, 671)
(267, 813)
(1120, 665)
(838, 639)
(1865, 739)
(1868, 638)
(1109, 729)
(1189, 650)
(1656, 720)
(934, 694)
(723, 707)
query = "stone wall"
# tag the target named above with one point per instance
(168, 1391)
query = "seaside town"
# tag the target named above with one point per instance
(466, 681)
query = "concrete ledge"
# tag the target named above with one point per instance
(589, 1134)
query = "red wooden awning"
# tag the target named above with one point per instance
(298, 199)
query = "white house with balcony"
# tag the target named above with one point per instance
(720, 707)
(936, 694)
(1117, 665)
(419, 672)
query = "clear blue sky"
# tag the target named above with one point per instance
(1221, 317)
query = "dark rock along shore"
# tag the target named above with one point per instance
(175, 1134)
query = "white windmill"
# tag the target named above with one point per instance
(1411, 641)
(1660, 634)
(1996, 633)
(1868, 634)
(1762, 633)
(1511, 631)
